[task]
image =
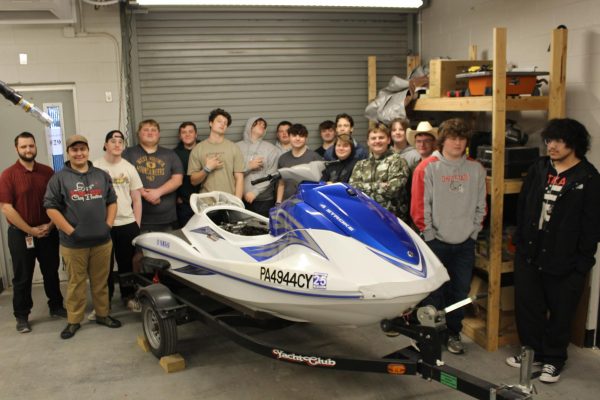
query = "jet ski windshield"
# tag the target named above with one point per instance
(311, 171)
(362, 218)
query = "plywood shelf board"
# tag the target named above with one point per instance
(480, 103)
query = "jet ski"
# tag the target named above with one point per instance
(328, 255)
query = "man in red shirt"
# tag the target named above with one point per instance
(31, 234)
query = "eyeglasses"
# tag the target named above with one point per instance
(550, 141)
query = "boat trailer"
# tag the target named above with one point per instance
(168, 301)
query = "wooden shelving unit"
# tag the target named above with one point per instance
(489, 333)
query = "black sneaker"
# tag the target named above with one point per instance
(108, 321)
(58, 313)
(23, 325)
(69, 331)
(550, 373)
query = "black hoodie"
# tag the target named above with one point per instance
(568, 242)
(340, 171)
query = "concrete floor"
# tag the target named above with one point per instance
(101, 363)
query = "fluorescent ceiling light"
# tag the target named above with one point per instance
(297, 3)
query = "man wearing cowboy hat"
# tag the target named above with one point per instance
(423, 138)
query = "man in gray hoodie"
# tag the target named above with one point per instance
(260, 159)
(81, 202)
(448, 207)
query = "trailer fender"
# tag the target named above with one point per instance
(161, 299)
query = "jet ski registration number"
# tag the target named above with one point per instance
(286, 277)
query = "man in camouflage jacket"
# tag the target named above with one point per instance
(383, 175)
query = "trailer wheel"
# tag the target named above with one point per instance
(161, 333)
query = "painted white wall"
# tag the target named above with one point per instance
(449, 26)
(90, 60)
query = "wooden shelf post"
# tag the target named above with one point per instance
(558, 75)
(412, 62)
(497, 187)
(372, 82)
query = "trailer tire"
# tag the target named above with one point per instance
(161, 333)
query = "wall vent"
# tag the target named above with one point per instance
(37, 12)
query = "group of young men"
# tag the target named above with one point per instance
(99, 207)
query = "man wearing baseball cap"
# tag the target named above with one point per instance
(81, 202)
(127, 184)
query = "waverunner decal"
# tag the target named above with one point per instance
(421, 272)
(299, 237)
(336, 217)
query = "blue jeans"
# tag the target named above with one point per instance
(459, 260)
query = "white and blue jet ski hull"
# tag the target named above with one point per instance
(304, 274)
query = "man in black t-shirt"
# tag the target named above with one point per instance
(161, 172)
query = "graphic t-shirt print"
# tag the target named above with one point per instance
(81, 192)
(151, 167)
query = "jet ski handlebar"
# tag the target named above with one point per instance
(267, 178)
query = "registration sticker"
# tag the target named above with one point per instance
(319, 280)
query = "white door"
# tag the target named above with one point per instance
(14, 121)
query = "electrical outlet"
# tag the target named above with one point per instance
(108, 97)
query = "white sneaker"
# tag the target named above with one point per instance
(134, 305)
(515, 361)
(92, 316)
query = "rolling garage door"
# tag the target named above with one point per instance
(301, 66)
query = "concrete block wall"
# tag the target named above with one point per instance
(89, 60)
(448, 27)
